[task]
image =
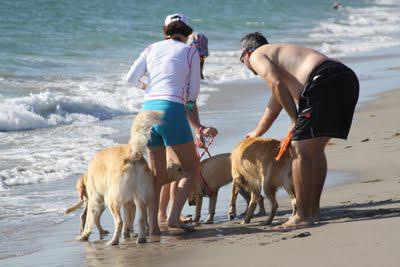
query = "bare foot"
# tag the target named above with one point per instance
(186, 219)
(155, 232)
(181, 225)
(162, 218)
(295, 222)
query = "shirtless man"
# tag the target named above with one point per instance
(326, 92)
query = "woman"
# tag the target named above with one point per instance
(173, 70)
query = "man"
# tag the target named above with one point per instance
(326, 92)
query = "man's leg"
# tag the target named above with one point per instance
(159, 167)
(302, 180)
(319, 171)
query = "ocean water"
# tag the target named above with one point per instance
(62, 65)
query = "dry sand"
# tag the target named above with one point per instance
(360, 221)
(359, 227)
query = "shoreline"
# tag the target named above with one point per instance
(343, 207)
(236, 106)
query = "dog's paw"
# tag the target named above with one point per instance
(231, 216)
(104, 232)
(127, 233)
(245, 221)
(83, 238)
(261, 214)
(265, 223)
(141, 240)
(113, 243)
(208, 222)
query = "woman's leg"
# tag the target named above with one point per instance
(191, 166)
(164, 200)
(173, 158)
(159, 167)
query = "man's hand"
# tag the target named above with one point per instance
(252, 134)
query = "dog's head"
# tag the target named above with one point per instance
(81, 187)
(174, 172)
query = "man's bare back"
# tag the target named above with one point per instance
(294, 63)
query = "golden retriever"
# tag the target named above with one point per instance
(216, 172)
(120, 177)
(254, 168)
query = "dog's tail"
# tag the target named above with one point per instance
(74, 207)
(141, 130)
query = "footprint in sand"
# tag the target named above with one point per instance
(372, 181)
(300, 235)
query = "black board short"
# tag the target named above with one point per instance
(327, 103)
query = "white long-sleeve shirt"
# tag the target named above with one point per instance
(173, 70)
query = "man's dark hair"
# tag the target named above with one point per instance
(177, 27)
(253, 40)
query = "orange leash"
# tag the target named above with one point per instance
(284, 145)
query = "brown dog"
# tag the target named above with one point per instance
(255, 169)
(120, 177)
(216, 172)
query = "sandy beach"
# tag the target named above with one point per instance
(64, 96)
(359, 224)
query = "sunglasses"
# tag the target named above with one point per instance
(242, 56)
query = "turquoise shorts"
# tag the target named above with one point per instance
(174, 128)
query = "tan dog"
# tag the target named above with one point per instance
(81, 189)
(255, 169)
(120, 177)
(216, 172)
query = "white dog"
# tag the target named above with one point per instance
(120, 177)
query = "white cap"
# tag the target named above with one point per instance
(175, 17)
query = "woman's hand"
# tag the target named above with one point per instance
(203, 132)
(143, 86)
(208, 131)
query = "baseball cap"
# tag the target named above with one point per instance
(175, 17)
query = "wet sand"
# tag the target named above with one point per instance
(359, 225)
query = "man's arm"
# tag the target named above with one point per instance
(268, 71)
(270, 114)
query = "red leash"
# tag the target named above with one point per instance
(205, 148)
(209, 190)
